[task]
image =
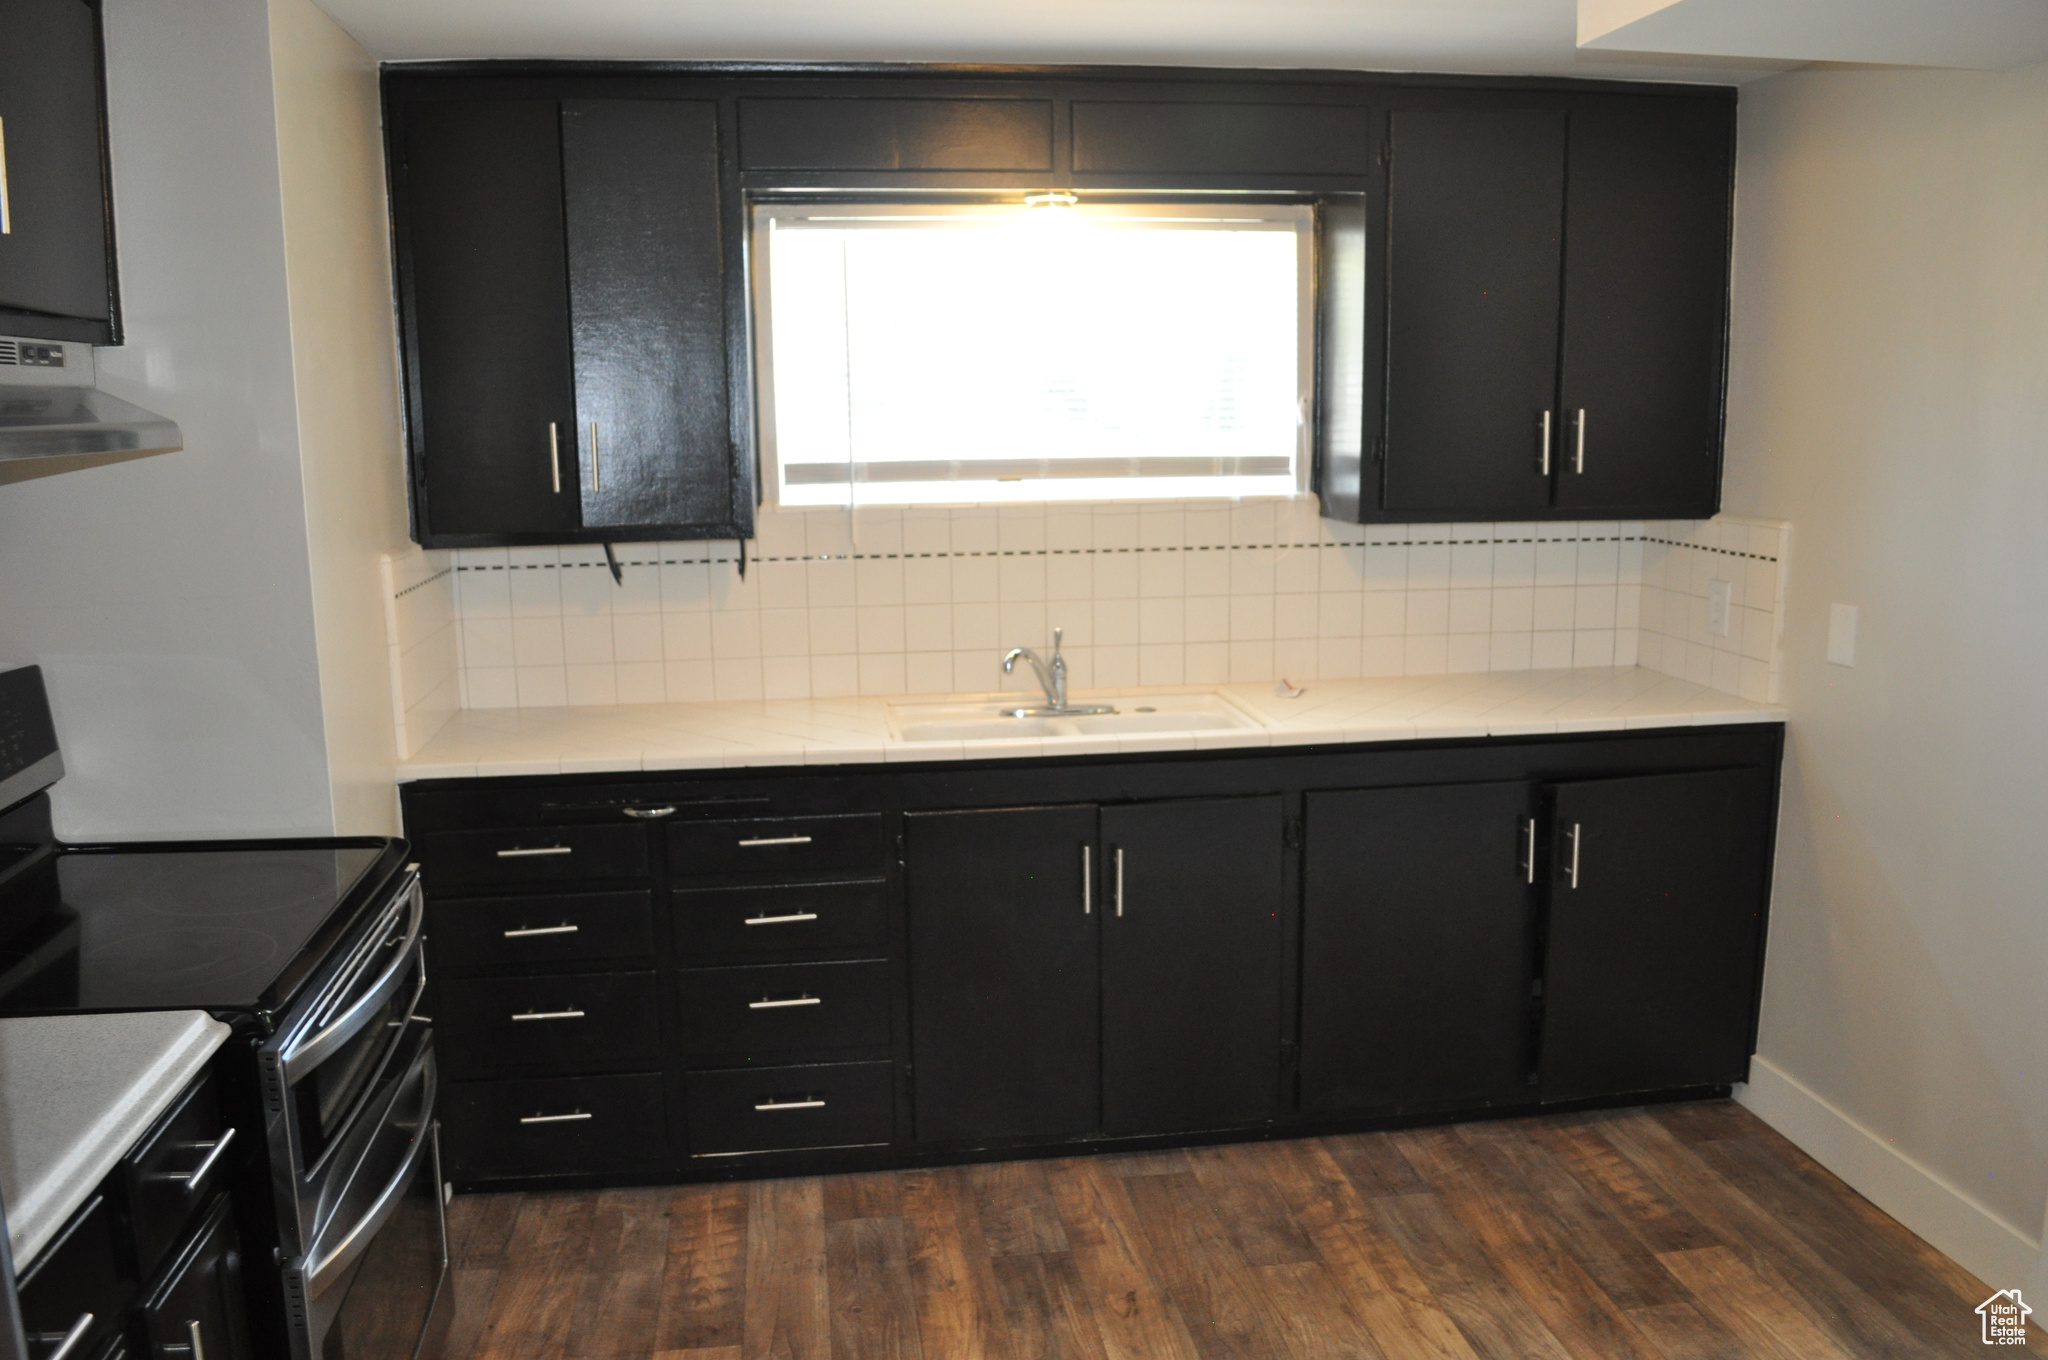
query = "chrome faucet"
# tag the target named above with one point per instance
(1052, 679)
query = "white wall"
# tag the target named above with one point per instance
(169, 599)
(1890, 397)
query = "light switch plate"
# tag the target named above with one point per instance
(1720, 594)
(1841, 634)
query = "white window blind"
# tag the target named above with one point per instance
(913, 354)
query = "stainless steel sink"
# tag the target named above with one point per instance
(1133, 714)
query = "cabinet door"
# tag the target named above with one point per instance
(485, 279)
(1475, 211)
(1646, 287)
(1656, 919)
(1191, 964)
(1003, 972)
(647, 304)
(1416, 947)
(53, 254)
(197, 1309)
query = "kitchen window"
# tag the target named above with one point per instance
(914, 354)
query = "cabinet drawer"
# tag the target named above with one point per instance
(200, 1298)
(172, 1169)
(78, 1273)
(533, 1026)
(784, 1009)
(564, 1125)
(772, 1108)
(781, 917)
(777, 845)
(535, 854)
(546, 933)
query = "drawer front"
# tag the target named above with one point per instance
(781, 917)
(549, 933)
(534, 1026)
(777, 845)
(172, 1170)
(784, 1009)
(78, 1273)
(201, 1295)
(565, 1125)
(538, 854)
(775, 1108)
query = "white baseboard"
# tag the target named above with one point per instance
(1968, 1233)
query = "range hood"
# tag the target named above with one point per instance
(54, 419)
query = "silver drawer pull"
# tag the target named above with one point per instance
(197, 1174)
(554, 1118)
(759, 841)
(768, 1004)
(782, 920)
(528, 932)
(74, 1338)
(549, 1015)
(649, 814)
(1575, 855)
(198, 1342)
(789, 1104)
(521, 853)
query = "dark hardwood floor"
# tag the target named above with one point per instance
(1675, 1233)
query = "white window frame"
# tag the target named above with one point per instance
(897, 208)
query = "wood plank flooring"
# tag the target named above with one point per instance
(1688, 1232)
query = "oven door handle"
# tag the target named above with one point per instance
(303, 1055)
(319, 1274)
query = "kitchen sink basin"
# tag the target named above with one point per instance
(1133, 715)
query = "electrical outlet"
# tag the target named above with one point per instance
(1720, 596)
(1841, 635)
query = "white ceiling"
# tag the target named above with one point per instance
(1534, 37)
(1994, 35)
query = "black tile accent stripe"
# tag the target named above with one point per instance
(426, 582)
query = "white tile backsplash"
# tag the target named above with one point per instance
(926, 600)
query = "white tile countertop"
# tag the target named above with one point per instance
(709, 736)
(76, 1091)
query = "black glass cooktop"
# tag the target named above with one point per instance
(171, 929)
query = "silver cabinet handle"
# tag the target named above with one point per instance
(6, 216)
(1087, 880)
(555, 457)
(789, 1104)
(549, 1015)
(649, 814)
(198, 1342)
(596, 477)
(1530, 865)
(1119, 880)
(197, 1175)
(528, 932)
(1575, 855)
(777, 1003)
(555, 1118)
(73, 1339)
(1579, 453)
(782, 920)
(1544, 451)
(759, 841)
(525, 853)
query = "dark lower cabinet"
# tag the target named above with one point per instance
(559, 1125)
(1655, 931)
(566, 1023)
(197, 1309)
(77, 1285)
(1417, 947)
(1004, 973)
(1191, 959)
(777, 1109)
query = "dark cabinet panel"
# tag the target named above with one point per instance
(1003, 972)
(76, 1281)
(533, 1026)
(647, 312)
(778, 845)
(54, 256)
(197, 1309)
(1475, 204)
(1163, 138)
(1656, 917)
(895, 134)
(1646, 266)
(783, 1010)
(772, 1109)
(550, 933)
(1416, 947)
(561, 1125)
(493, 434)
(538, 856)
(781, 918)
(1191, 960)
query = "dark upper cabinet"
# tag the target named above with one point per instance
(1418, 935)
(1475, 214)
(565, 286)
(1004, 972)
(919, 135)
(1655, 932)
(56, 235)
(1191, 964)
(1160, 142)
(1646, 267)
